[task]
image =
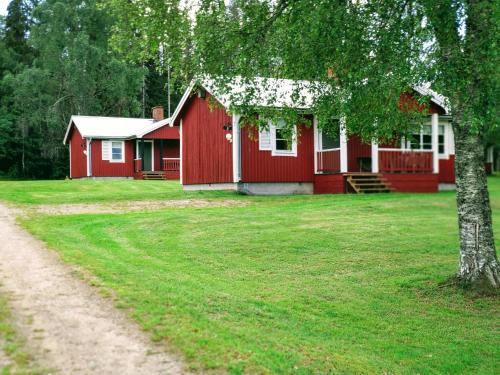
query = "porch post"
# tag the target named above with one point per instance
(89, 156)
(375, 168)
(161, 154)
(343, 147)
(316, 146)
(142, 153)
(435, 142)
(236, 148)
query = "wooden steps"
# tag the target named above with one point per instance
(368, 183)
(153, 175)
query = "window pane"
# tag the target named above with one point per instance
(330, 135)
(283, 140)
(441, 139)
(116, 150)
(414, 141)
(427, 142)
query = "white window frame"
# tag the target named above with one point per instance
(122, 145)
(443, 155)
(274, 152)
(320, 141)
(406, 144)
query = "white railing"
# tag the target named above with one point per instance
(328, 161)
(171, 164)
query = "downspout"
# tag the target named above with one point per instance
(236, 148)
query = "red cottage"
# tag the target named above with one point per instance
(216, 153)
(103, 147)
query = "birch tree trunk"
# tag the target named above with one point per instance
(479, 266)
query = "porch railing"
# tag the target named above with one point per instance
(405, 161)
(171, 164)
(328, 161)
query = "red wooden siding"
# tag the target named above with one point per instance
(355, 150)
(447, 170)
(329, 184)
(413, 182)
(165, 132)
(328, 161)
(261, 166)
(407, 102)
(207, 154)
(104, 168)
(78, 158)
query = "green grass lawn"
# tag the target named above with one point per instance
(325, 284)
(97, 191)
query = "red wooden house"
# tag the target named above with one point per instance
(217, 153)
(103, 147)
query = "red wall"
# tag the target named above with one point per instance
(356, 149)
(104, 168)
(413, 182)
(207, 154)
(447, 170)
(407, 102)
(78, 160)
(261, 166)
(329, 184)
(165, 132)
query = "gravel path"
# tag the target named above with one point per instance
(68, 326)
(120, 207)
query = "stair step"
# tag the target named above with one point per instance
(368, 183)
(153, 175)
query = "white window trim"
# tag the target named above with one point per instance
(320, 143)
(269, 146)
(446, 134)
(274, 151)
(111, 160)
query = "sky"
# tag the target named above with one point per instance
(3, 6)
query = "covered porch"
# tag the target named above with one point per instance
(157, 154)
(410, 164)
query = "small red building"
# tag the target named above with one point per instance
(217, 153)
(103, 147)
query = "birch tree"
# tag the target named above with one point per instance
(376, 50)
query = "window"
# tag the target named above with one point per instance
(329, 137)
(441, 140)
(117, 151)
(113, 151)
(279, 140)
(284, 141)
(421, 140)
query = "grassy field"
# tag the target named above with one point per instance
(96, 191)
(324, 284)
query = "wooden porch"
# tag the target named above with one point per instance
(157, 159)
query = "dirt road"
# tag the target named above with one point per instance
(68, 326)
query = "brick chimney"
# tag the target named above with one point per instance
(158, 113)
